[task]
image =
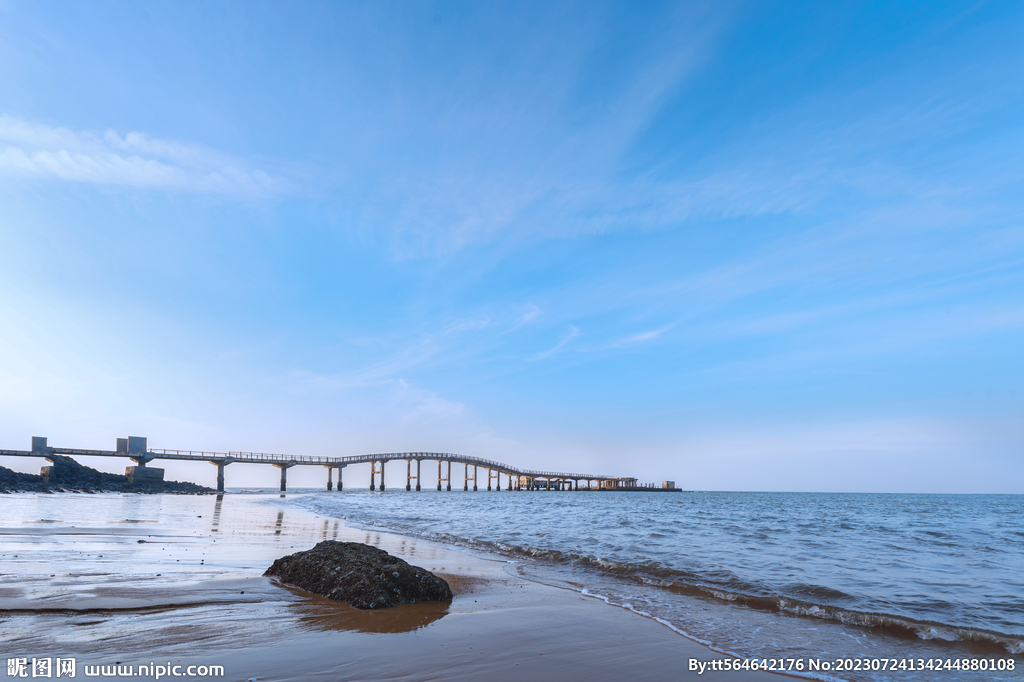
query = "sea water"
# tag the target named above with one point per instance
(794, 576)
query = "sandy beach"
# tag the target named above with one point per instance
(172, 580)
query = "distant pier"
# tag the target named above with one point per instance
(136, 449)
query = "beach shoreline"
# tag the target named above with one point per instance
(179, 578)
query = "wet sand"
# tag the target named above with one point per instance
(169, 579)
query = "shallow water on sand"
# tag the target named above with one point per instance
(768, 575)
(84, 573)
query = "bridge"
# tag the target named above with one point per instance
(137, 449)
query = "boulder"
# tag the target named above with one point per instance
(364, 576)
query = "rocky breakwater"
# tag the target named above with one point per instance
(364, 576)
(67, 475)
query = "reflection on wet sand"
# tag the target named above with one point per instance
(320, 613)
(216, 511)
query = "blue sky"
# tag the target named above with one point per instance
(744, 246)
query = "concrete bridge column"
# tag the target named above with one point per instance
(448, 487)
(330, 484)
(284, 474)
(497, 482)
(220, 464)
(438, 475)
(474, 478)
(408, 475)
(339, 477)
(418, 475)
(490, 472)
(382, 475)
(373, 475)
(465, 477)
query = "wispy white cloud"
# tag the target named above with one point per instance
(37, 150)
(469, 325)
(422, 405)
(532, 313)
(645, 336)
(564, 339)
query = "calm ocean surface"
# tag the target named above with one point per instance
(757, 574)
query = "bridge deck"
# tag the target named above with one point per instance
(296, 460)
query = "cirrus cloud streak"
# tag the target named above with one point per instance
(39, 151)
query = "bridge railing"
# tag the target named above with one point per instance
(271, 458)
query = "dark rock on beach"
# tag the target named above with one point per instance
(366, 577)
(67, 475)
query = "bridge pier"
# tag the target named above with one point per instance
(330, 468)
(448, 481)
(373, 474)
(474, 478)
(438, 475)
(284, 474)
(465, 477)
(418, 475)
(220, 464)
(330, 485)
